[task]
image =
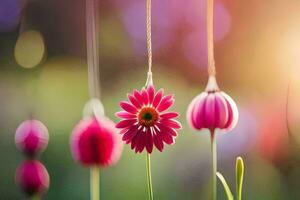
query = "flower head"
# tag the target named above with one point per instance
(31, 137)
(96, 142)
(145, 121)
(212, 109)
(32, 177)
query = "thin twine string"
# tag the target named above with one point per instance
(23, 20)
(149, 82)
(33, 75)
(149, 42)
(212, 73)
(210, 38)
(92, 14)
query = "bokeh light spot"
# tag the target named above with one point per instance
(30, 49)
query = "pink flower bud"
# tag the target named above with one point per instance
(212, 109)
(31, 137)
(32, 177)
(96, 142)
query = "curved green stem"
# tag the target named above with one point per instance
(225, 186)
(95, 183)
(214, 165)
(149, 179)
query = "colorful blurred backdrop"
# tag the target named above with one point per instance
(44, 74)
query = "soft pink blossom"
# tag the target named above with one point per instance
(31, 137)
(96, 142)
(212, 109)
(32, 177)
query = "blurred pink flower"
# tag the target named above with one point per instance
(96, 142)
(273, 136)
(145, 121)
(212, 109)
(32, 177)
(31, 137)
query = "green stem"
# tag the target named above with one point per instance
(35, 197)
(95, 183)
(149, 179)
(214, 165)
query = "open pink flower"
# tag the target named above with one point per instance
(96, 142)
(145, 121)
(213, 109)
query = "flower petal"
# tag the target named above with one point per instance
(190, 112)
(171, 123)
(198, 111)
(138, 96)
(167, 130)
(141, 142)
(124, 130)
(130, 133)
(167, 138)
(169, 115)
(165, 103)
(158, 98)
(134, 140)
(158, 142)
(221, 111)
(125, 115)
(209, 112)
(145, 97)
(134, 101)
(233, 113)
(128, 107)
(149, 142)
(151, 92)
(125, 123)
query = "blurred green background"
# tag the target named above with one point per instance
(257, 47)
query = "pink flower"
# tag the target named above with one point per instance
(212, 109)
(32, 177)
(96, 142)
(145, 121)
(31, 137)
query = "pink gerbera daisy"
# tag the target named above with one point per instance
(145, 120)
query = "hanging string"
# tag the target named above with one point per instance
(93, 47)
(210, 38)
(149, 43)
(22, 26)
(149, 82)
(33, 75)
